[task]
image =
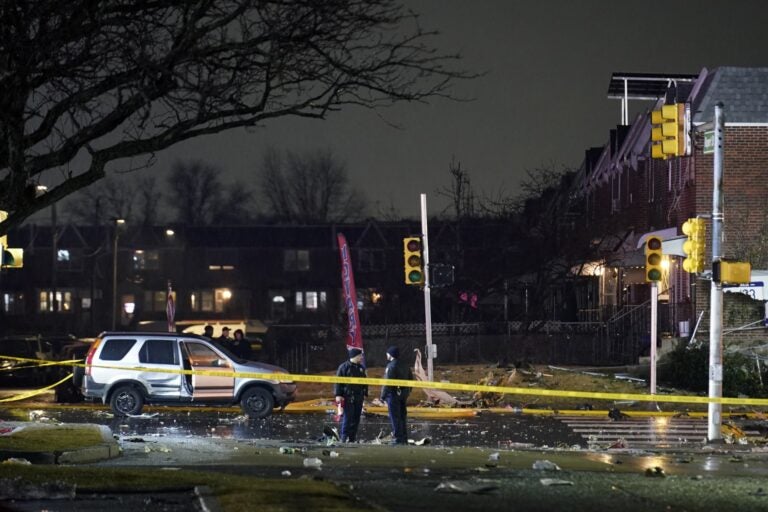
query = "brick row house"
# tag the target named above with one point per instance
(626, 195)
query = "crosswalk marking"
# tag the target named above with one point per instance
(635, 432)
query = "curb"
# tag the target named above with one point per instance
(107, 449)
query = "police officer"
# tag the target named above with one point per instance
(351, 396)
(396, 396)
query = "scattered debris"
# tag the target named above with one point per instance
(494, 456)
(759, 492)
(554, 481)
(286, 473)
(618, 444)
(545, 465)
(458, 487)
(420, 442)
(14, 460)
(616, 415)
(313, 462)
(655, 472)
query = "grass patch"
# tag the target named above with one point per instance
(52, 439)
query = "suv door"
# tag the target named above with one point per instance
(199, 356)
(161, 354)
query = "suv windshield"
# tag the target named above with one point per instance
(227, 351)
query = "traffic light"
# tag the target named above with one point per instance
(653, 259)
(413, 261)
(667, 128)
(12, 258)
(694, 246)
(3, 238)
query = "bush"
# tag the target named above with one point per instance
(687, 367)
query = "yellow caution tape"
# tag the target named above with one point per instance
(448, 386)
(34, 392)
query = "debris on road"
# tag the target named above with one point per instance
(554, 481)
(313, 462)
(460, 487)
(655, 472)
(545, 465)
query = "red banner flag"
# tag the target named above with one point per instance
(170, 309)
(354, 335)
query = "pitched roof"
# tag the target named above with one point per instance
(743, 92)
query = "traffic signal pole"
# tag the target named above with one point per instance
(714, 411)
(427, 298)
(654, 328)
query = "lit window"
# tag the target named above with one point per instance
(222, 297)
(201, 300)
(13, 303)
(62, 255)
(310, 300)
(63, 299)
(146, 260)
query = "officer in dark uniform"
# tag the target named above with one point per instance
(351, 396)
(396, 396)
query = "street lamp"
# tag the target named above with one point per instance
(118, 224)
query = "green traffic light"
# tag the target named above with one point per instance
(414, 276)
(654, 274)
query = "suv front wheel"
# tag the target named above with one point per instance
(126, 400)
(257, 403)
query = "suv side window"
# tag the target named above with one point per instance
(115, 349)
(158, 352)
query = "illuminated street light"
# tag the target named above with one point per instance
(169, 232)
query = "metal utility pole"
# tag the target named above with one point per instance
(427, 299)
(654, 329)
(714, 416)
(117, 224)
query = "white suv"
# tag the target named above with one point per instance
(119, 371)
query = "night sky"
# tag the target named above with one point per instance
(541, 104)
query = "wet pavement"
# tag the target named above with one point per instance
(487, 462)
(485, 430)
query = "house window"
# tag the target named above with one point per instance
(296, 260)
(146, 260)
(201, 300)
(310, 300)
(221, 259)
(370, 260)
(221, 299)
(13, 303)
(68, 260)
(63, 298)
(155, 300)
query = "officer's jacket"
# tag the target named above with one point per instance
(350, 369)
(396, 370)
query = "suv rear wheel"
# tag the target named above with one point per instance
(257, 403)
(126, 400)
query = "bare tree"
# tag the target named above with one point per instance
(97, 204)
(195, 192)
(308, 188)
(148, 197)
(85, 86)
(459, 192)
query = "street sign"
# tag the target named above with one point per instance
(709, 142)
